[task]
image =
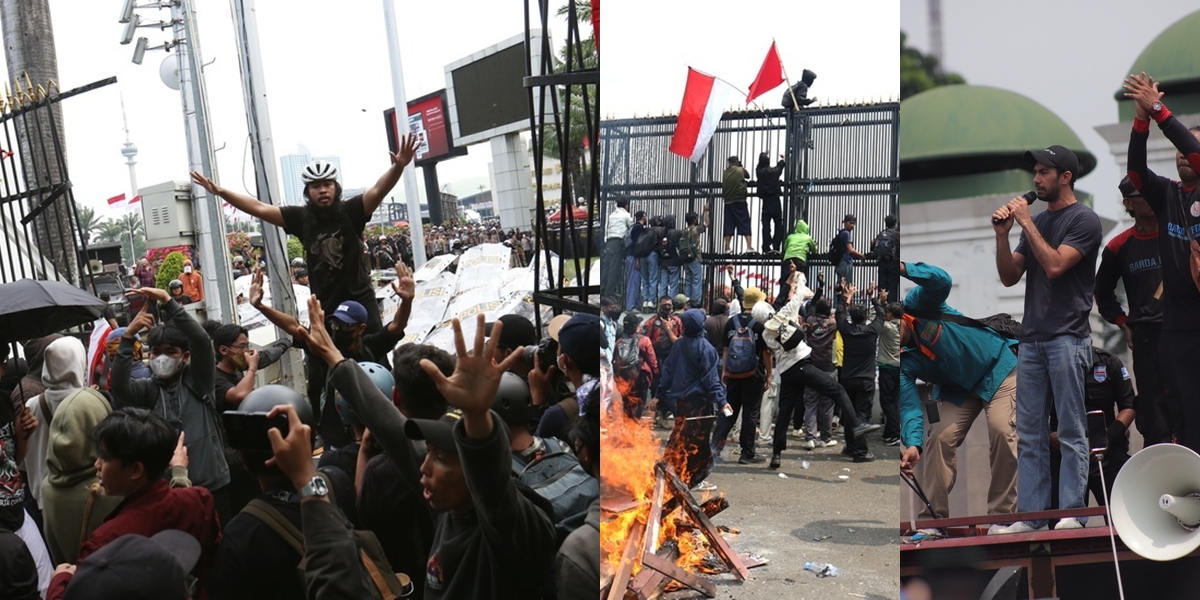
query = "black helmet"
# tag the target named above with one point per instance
(267, 397)
(513, 401)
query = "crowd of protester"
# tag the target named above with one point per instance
(169, 469)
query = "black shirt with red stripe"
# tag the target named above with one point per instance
(1178, 211)
(1133, 259)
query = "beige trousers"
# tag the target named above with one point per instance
(940, 454)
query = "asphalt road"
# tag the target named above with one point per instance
(781, 519)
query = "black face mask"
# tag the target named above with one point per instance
(343, 338)
(664, 311)
(613, 315)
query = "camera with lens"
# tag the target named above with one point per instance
(546, 352)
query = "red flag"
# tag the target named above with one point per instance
(596, 23)
(704, 102)
(770, 75)
(118, 201)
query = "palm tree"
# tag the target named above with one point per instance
(88, 222)
(109, 231)
(133, 230)
(579, 53)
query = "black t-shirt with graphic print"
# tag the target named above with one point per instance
(333, 249)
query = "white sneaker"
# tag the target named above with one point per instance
(1071, 523)
(808, 444)
(829, 443)
(1018, 527)
(704, 486)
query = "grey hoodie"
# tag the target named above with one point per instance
(63, 373)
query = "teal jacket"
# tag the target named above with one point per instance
(960, 361)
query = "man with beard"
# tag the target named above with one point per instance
(1177, 208)
(1058, 250)
(348, 325)
(330, 228)
(1132, 257)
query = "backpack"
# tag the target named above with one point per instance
(887, 245)
(741, 353)
(648, 242)
(836, 249)
(686, 247)
(1003, 324)
(627, 359)
(668, 247)
(558, 477)
(389, 584)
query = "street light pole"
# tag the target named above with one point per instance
(415, 228)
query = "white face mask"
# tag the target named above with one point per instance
(187, 269)
(165, 367)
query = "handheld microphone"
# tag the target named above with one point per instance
(1030, 197)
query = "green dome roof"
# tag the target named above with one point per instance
(963, 129)
(1171, 58)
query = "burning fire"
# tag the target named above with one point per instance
(630, 451)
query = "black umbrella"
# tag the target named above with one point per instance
(30, 308)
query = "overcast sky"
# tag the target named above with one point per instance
(647, 47)
(327, 77)
(1069, 55)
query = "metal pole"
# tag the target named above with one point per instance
(210, 223)
(416, 230)
(258, 119)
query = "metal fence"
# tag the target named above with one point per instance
(839, 160)
(40, 237)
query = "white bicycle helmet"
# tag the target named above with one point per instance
(319, 171)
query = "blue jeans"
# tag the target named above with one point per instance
(649, 268)
(633, 284)
(668, 282)
(1051, 371)
(844, 268)
(695, 275)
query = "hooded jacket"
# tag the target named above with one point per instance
(693, 367)
(577, 566)
(768, 176)
(800, 89)
(193, 285)
(783, 332)
(64, 371)
(31, 385)
(71, 474)
(799, 243)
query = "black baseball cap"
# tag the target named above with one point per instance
(850, 218)
(135, 566)
(733, 159)
(439, 432)
(1127, 189)
(1055, 156)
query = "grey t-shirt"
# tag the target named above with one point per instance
(1055, 307)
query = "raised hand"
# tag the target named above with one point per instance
(256, 288)
(211, 186)
(472, 386)
(404, 285)
(293, 454)
(408, 149)
(316, 337)
(143, 320)
(180, 457)
(1143, 90)
(151, 293)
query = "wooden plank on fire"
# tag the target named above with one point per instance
(654, 520)
(632, 545)
(710, 531)
(650, 583)
(668, 568)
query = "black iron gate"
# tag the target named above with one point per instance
(40, 237)
(839, 160)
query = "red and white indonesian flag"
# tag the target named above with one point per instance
(704, 100)
(96, 345)
(120, 203)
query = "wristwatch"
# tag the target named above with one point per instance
(316, 487)
(1156, 107)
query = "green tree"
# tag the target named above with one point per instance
(920, 72)
(294, 248)
(171, 268)
(89, 221)
(132, 227)
(580, 56)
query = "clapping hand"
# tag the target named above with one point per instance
(1143, 90)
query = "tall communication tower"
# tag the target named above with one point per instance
(935, 28)
(129, 151)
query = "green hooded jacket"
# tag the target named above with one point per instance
(800, 243)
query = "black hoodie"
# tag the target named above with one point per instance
(800, 90)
